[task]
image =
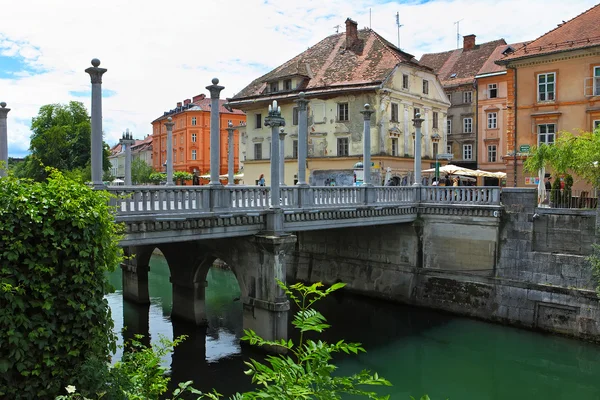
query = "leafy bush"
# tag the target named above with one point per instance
(58, 238)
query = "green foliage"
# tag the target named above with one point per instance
(158, 177)
(555, 195)
(57, 240)
(181, 176)
(140, 172)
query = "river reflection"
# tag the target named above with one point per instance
(418, 350)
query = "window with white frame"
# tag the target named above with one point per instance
(258, 151)
(193, 121)
(467, 125)
(597, 81)
(342, 111)
(404, 81)
(435, 120)
(257, 121)
(492, 153)
(194, 154)
(181, 139)
(449, 148)
(425, 86)
(492, 119)
(467, 151)
(394, 110)
(449, 126)
(342, 147)
(467, 97)
(175, 155)
(295, 149)
(394, 146)
(492, 90)
(546, 88)
(546, 133)
(274, 86)
(194, 137)
(287, 84)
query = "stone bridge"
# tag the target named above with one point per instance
(258, 237)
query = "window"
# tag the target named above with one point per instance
(492, 120)
(194, 136)
(342, 147)
(449, 95)
(596, 124)
(492, 153)
(394, 146)
(194, 121)
(425, 86)
(394, 117)
(467, 125)
(449, 148)
(295, 116)
(175, 156)
(546, 133)
(258, 151)
(467, 97)
(546, 86)
(229, 122)
(343, 112)
(181, 139)
(404, 81)
(181, 156)
(193, 154)
(258, 121)
(449, 126)
(492, 91)
(287, 84)
(274, 86)
(596, 81)
(435, 120)
(467, 151)
(295, 149)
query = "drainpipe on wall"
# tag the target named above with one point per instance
(515, 127)
(476, 123)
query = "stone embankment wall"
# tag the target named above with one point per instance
(525, 267)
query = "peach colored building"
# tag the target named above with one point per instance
(557, 81)
(191, 136)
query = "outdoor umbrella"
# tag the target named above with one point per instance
(453, 170)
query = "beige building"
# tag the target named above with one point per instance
(142, 149)
(557, 81)
(339, 75)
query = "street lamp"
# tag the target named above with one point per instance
(435, 139)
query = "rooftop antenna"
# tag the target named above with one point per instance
(370, 26)
(337, 28)
(399, 26)
(457, 23)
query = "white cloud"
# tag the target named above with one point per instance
(159, 54)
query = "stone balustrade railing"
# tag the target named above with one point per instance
(135, 200)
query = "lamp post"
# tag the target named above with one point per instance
(230, 154)
(3, 139)
(275, 121)
(169, 124)
(282, 135)
(435, 139)
(126, 142)
(417, 121)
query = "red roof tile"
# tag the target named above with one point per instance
(490, 66)
(578, 33)
(458, 67)
(329, 64)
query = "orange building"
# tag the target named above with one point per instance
(557, 88)
(191, 136)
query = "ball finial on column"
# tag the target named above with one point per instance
(96, 62)
(170, 119)
(3, 104)
(367, 106)
(215, 81)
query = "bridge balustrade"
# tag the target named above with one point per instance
(395, 194)
(484, 195)
(338, 195)
(159, 199)
(249, 197)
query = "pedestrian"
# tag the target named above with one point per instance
(447, 181)
(261, 180)
(435, 182)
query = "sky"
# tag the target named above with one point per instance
(159, 53)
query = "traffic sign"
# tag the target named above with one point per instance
(445, 156)
(524, 148)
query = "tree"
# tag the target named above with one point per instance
(140, 171)
(61, 139)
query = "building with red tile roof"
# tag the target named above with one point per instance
(557, 88)
(142, 149)
(339, 75)
(457, 70)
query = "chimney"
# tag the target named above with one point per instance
(186, 102)
(468, 42)
(179, 104)
(198, 98)
(351, 33)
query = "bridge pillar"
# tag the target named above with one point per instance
(189, 302)
(266, 305)
(135, 278)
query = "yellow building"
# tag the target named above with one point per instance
(339, 75)
(557, 82)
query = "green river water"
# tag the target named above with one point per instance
(419, 350)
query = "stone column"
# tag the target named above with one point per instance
(281, 157)
(367, 145)
(189, 301)
(215, 133)
(126, 142)
(417, 121)
(3, 139)
(135, 278)
(302, 138)
(97, 148)
(169, 124)
(230, 172)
